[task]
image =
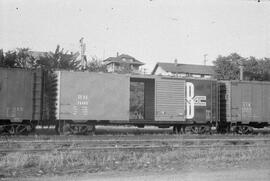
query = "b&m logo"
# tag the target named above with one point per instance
(192, 101)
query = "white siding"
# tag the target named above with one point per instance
(160, 71)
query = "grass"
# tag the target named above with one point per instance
(70, 162)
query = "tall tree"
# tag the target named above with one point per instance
(265, 67)
(227, 67)
(60, 59)
(21, 57)
(252, 69)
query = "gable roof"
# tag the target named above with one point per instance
(119, 59)
(185, 68)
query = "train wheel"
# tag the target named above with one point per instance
(200, 129)
(194, 129)
(244, 129)
(204, 129)
(16, 129)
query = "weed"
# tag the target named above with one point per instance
(96, 161)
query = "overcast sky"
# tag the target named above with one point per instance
(151, 31)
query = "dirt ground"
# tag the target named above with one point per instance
(246, 171)
(249, 174)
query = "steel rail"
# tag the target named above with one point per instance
(150, 147)
(146, 140)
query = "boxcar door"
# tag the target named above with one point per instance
(170, 100)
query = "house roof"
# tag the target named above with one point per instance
(185, 68)
(123, 58)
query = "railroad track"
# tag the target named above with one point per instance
(135, 148)
(153, 144)
(108, 142)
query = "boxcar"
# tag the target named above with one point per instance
(244, 105)
(85, 99)
(20, 99)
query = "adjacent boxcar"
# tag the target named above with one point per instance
(244, 105)
(21, 99)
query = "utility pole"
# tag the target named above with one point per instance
(241, 67)
(204, 59)
(83, 56)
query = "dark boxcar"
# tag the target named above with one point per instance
(179, 101)
(245, 104)
(202, 100)
(20, 98)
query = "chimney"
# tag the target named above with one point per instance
(117, 54)
(175, 62)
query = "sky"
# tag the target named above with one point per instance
(150, 30)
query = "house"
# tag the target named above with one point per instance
(183, 70)
(123, 63)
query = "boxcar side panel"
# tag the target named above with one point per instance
(3, 93)
(266, 102)
(250, 101)
(93, 96)
(236, 101)
(256, 103)
(18, 94)
(201, 97)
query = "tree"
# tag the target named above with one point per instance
(20, 58)
(2, 58)
(59, 60)
(24, 59)
(96, 65)
(265, 68)
(252, 69)
(227, 67)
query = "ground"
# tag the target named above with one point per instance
(245, 171)
(195, 175)
(240, 164)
